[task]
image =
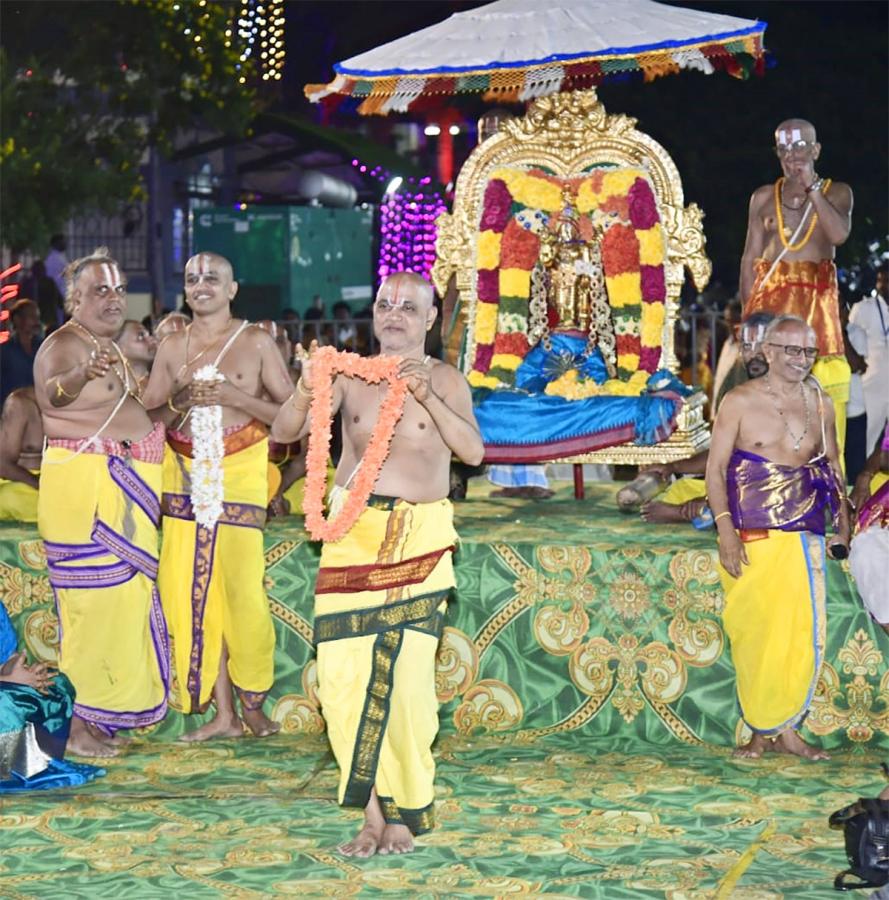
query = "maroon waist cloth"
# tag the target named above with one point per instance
(149, 449)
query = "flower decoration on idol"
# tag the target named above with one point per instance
(517, 208)
(208, 447)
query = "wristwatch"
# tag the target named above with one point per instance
(815, 185)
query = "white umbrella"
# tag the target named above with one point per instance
(514, 50)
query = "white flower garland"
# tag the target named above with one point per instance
(208, 448)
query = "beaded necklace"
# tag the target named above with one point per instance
(127, 371)
(779, 194)
(797, 441)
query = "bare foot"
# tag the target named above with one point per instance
(365, 843)
(259, 723)
(396, 839)
(82, 743)
(754, 748)
(216, 729)
(663, 513)
(111, 740)
(791, 742)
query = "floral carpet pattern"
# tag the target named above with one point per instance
(587, 719)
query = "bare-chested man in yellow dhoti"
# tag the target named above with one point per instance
(793, 230)
(773, 479)
(98, 512)
(382, 588)
(213, 381)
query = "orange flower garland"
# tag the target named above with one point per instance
(326, 364)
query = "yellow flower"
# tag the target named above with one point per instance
(628, 361)
(531, 190)
(505, 361)
(631, 388)
(651, 245)
(485, 322)
(653, 324)
(477, 379)
(617, 182)
(587, 198)
(515, 283)
(624, 290)
(488, 250)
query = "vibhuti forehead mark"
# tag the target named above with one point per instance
(755, 333)
(789, 136)
(110, 275)
(393, 299)
(202, 262)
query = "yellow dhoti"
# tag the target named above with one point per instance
(211, 580)
(775, 619)
(18, 501)
(684, 489)
(809, 290)
(98, 515)
(380, 600)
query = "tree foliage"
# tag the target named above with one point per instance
(88, 87)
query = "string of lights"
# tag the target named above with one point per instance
(408, 232)
(261, 29)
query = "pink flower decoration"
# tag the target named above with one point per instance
(649, 359)
(497, 206)
(654, 288)
(643, 209)
(489, 285)
(483, 355)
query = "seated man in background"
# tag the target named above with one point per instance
(686, 499)
(21, 446)
(523, 481)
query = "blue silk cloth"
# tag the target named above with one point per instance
(525, 425)
(34, 729)
(764, 494)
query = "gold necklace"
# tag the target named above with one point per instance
(785, 233)
(124, 379)
(188, 362)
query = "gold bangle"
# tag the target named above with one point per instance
(178, 412)
(303, 389)
(60, 391)
(717, 518)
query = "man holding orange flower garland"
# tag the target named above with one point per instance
(219, 383)
(383, 585)
(794, 228)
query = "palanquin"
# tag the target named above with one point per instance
(565, 252)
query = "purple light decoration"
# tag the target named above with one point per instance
(407, 231)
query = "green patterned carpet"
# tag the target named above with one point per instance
(588, 713)
(562, 817)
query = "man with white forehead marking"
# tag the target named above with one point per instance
(98, 512)
(220, 383)
(382, 588)
(793, 230)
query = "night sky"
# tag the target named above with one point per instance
(829, 66)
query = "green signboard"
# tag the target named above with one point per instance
(283, 256)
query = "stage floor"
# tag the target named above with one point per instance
(556, 778)
(563, 816)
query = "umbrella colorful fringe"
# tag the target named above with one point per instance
(738, 55)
